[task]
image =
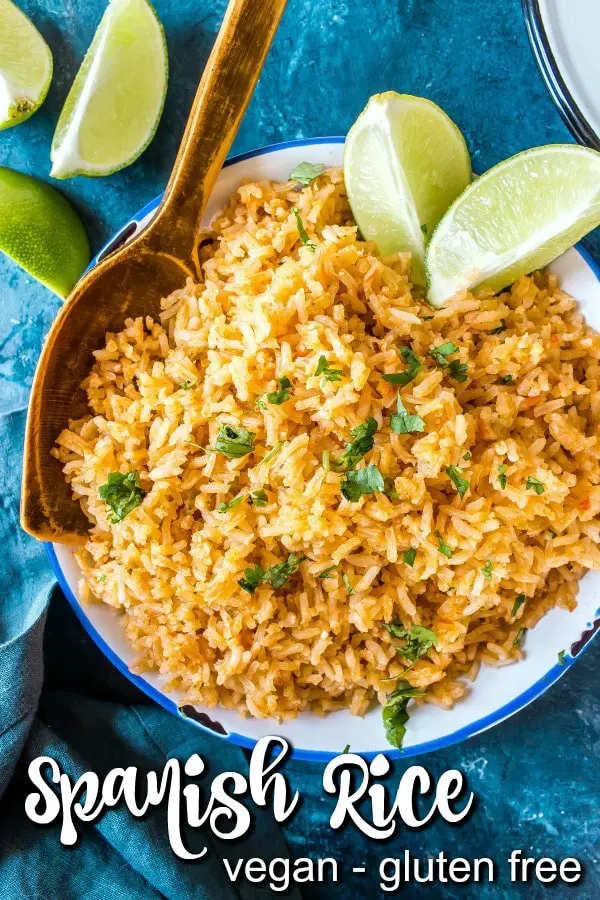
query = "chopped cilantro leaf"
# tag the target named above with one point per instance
(326, 573)
(519, 601)
(362, 442)
(532, 484)
(304, 238)
(252, 578)
(458, 370)
(186, 385)
(272, 453)
(357, 482)
(283, 394)
(409, 557)
(395, 713)
(121, 493)
(442, 546)
(518, 641)
(488, 569)
(552, 533)
(414, 367)
(502, 477)
(461, 484)
(351, 490)
(350, 590)
(276, 575)
(327, 373)
(501, 327)
(418, 640)
(404, 422)
(279, 574)
(395, 628)
(468, 455)
(444, 350)
(259, 498)
(225, 507)
(306, 172)
(234, 442)
(562, 657)
(507, 379)
(389, 488)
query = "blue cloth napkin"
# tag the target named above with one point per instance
(74, 719)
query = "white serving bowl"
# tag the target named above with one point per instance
(496, 694)
(564, 39)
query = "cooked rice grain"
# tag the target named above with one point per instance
(269, 307)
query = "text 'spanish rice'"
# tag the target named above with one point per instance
(479, 514)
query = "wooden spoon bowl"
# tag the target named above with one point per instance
(132, 281)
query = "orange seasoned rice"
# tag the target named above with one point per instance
(269, 307)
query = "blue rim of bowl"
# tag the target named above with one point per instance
(299, 753)
(566, 104)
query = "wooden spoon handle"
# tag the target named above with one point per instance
(223, 94)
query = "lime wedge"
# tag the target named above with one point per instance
(114, 106)
(40, 230)
(25, 66)
(405, 162)
(517, 217)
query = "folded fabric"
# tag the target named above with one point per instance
(118, 855)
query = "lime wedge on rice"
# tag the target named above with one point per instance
(113, 108)
(40, 230)
(517, 217)
(25, 66)
(405, 162)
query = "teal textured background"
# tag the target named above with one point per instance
(537, 776)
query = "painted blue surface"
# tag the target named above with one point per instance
(537, 776)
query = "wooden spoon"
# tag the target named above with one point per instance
(132, 281)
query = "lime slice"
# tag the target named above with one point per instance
(41, 231)
(517, 217)
(25, 66)
(114, 106)
(405, 162)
